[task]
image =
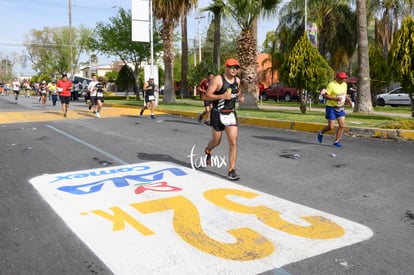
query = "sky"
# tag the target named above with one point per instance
(20, 16)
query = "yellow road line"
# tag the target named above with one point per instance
(56, 114)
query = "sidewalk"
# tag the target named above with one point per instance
(318, 109)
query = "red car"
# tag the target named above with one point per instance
(279, 91)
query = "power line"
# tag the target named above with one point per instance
(22, 44)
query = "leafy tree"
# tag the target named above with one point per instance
(379, 71)
(114, 39)
(200, 72)
(125, 80)
(169, 11)
(401, 57)
(6, 68)
(49, 51)
(306, 69)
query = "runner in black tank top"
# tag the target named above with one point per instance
(223, 92)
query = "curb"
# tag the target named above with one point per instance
(396, 134)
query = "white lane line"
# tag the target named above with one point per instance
(99, 150)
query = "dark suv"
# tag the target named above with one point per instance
(278, 91)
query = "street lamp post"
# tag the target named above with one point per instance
(199, 38)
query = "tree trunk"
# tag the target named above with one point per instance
(217, 42)
(167, 37)
(364, 103)
(184, 64)
(248, 62)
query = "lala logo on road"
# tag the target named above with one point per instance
(159, 217)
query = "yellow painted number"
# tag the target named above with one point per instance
(248, 245)
(319, 228)
(120, 217)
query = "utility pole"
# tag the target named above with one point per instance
(70, 37)
(199, 38)
(151, 37)
(306, 18)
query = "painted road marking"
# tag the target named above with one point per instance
(56, 114)
(159, 217)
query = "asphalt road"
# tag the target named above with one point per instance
(366, 188)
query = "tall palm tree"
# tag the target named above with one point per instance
(184, 57)
(387, 15)
(336, 27)
(246, 14)
(364, 103)
(169, 11)
(217, 8)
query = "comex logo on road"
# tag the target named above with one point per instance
(158, 217)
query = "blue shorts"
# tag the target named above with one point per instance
(332, 113)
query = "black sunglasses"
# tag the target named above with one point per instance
(233, 67)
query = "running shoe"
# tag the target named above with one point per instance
(98, 115)
(337, 144)
(200, 118)
(208, 157)
(320, 136)
(140, 113)
(233, 175)
(152, 116)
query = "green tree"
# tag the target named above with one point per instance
(48, 49)
(169, 11)
(114, 39)
(401, 57)
(306, 69)
(378, 70)
(125, 80)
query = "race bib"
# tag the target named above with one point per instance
(151, 97)
(228, 119)
(99, 94)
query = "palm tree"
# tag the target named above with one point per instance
(246, 14)
(169, 11)
(336, 27)
(217, 8)
(271, 46)
(364, 103)
(390, 13)
(184, 57)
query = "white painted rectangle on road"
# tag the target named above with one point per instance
(160, 217)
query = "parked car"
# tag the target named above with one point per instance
(395, 97)
(278, 91)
